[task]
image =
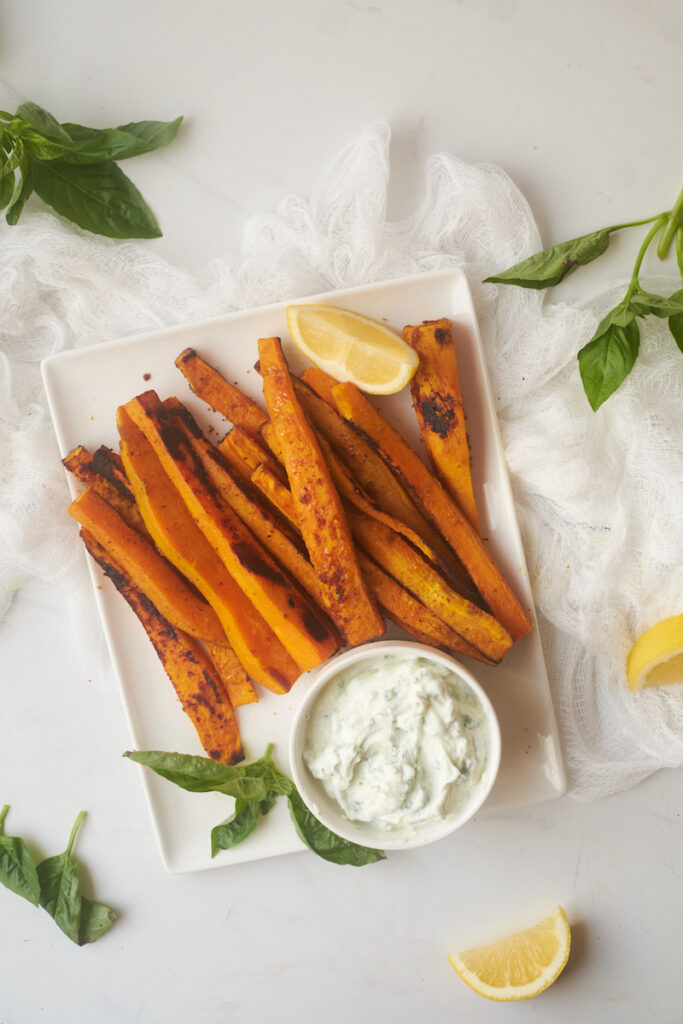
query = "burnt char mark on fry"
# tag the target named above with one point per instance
(439, 413)
(184, 357)
(314, 626)
(122, 584)
(282, 680)
(440, 335)
(250, 557)
(103, 466)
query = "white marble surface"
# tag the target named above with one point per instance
(580, 103)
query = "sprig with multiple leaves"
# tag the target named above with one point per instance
(53, 884)
(255, 787)
(72, 168)
(607, 359)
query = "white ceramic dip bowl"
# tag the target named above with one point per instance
(404, 740)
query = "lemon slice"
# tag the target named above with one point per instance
(656, 658)
(520, 966)
(350, 346)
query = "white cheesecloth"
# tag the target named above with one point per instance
(599, 496)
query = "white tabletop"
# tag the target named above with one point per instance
(580, 103)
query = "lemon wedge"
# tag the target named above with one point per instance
(656, 658)
(520, 966)
(352, 347)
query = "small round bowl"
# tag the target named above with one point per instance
(328, 811)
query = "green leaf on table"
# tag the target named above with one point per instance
(94, 145)
(17, 867)
(60, 887)
(98, 197)
(676, 322)
(96, 920)
(549, 267)
(325, 843)
(43, 122)
(608, 358)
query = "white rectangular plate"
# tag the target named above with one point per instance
(84, 388)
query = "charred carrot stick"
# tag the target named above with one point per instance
(445, 515)
(321, 515)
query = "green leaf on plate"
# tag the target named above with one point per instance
(325, 843)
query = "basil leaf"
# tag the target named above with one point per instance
(44, 122)
(549, 267)
(6, 189)
(644, 303)
(96, 920)
(93, 145)
(676, 322)
(240, 824)
(60, 892)
(17, 867)
(326, 844)
(608, 358)
(97, 197)
(23, 187)
(201, 774)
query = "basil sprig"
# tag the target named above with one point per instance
(607, 359)
(72, 168)
(256, 787)
(53, 884)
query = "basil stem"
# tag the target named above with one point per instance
(675, 221)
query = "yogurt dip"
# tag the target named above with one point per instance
(398, 741)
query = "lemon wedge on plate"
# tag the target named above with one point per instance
(656, 658)
(352, 347)
(520, 966)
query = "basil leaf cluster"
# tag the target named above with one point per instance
(256, 788)
(609, 356)
(72, 168)
(55, 885)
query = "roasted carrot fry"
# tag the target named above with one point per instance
(411, 615)
(321, 516)
(194, 679)
(283, 544)
(223, 397)
(438, 505)
(314, 391)
(146, 568)
(400, 560)
(103, 473)
(178, 537)
(437, 401)
(245, 453)
(280, 603)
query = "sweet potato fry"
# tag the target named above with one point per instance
(314, 391)
(224, 398)
(194, 679)
(437, 400)
(245, 453)
(103, 473)
(233, 675)
(399, 559)
(415, 476)
(146, 568)
(277, 494)
(321, 516)
(276, 537)
(178, 537)
(280, 603)
(411, 615)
